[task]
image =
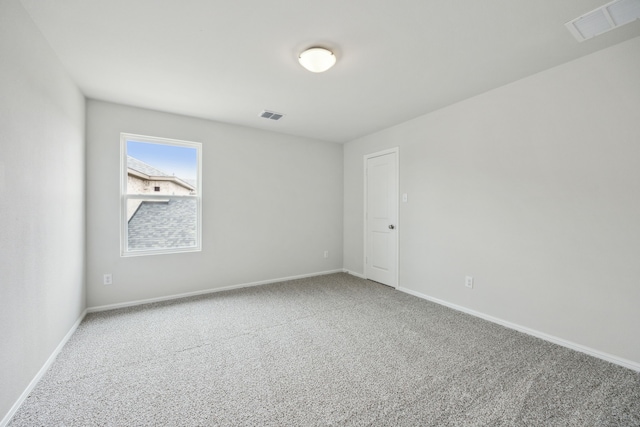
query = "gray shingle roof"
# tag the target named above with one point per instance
(161, 224)
(142, 167)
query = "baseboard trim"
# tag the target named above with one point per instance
(551, 338)
(7, 418)
(204, 292)
(353, 273)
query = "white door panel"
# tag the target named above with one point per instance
(381, 208)
(380, 251)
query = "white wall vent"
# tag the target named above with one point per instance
(272, 115)
(604, 18)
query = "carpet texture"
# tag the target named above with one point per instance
(328, 350)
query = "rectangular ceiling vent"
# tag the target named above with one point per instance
(604, 18)
(272, 115)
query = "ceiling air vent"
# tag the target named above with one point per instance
(604, 18)
(272, 115)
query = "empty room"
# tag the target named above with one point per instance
(371, 213)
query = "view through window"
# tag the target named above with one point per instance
(161, 195)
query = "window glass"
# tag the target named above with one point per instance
(161, 195)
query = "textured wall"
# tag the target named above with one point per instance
(533, 189)
(42, 202)
(272, 204)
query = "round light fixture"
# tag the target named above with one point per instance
(317, 59)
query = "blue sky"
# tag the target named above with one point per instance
(174, 160)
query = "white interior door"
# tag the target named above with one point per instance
(381, 217)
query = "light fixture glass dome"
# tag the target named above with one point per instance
(317, 59)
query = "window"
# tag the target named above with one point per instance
(160, 195)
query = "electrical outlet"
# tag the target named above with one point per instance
(326, 254)
(468, 282)
(107, 279)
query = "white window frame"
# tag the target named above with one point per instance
(124, 250)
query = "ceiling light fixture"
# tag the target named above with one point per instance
(317, 59)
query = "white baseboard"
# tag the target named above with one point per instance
(353, 273)
(560, 341)
(41, 372)
(205, 291)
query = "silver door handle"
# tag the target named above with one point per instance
(391, 227)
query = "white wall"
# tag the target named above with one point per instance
(532, 188)
(272, 204)
(42, 225)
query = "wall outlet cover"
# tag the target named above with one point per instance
(468, 282)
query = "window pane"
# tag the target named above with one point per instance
(161, 169)
(160, 195)
(163, 224)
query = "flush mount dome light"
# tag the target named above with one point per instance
(317, 59)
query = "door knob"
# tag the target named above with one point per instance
(391, 227)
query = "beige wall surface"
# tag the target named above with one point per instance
(534, 190)
(41, 202)
(272, 204)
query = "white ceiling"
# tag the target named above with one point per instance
(229, 60)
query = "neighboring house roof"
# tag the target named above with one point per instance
(148, 172)
(164, 224)
(140, 166)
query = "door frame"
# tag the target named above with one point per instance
(366, 157)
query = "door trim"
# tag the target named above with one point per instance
(365, 158)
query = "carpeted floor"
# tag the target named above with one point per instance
(329, 350)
